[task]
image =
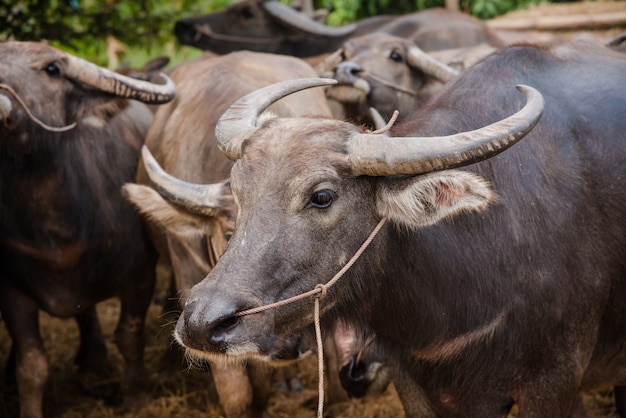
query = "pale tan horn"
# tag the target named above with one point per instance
(240, 119)
(381, 155)
(202, 199)
(430, 66)
(301, 21)
(379, 122)
(111, 82)
(5, 107)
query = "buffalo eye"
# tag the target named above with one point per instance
(228, 236)
(52, 70)
(396, 56)
(321, 199)
(246, 13)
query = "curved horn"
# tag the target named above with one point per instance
(5, 107)
(380, 155)
(421, 60)
(379, 122)
(202, 199)
(297, 20)
(109, 81)
(239, 120)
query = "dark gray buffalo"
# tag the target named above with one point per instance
(269, 26)
(69, 139)
(498, 279)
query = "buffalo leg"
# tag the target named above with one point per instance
(92, 352)
(233, 389)
(414, 400)
(21, 316)
(95, 372)
(261, 377)
(129, 334)
(620, 400)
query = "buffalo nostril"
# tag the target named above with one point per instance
(223, 327)
(184, 30)
(347, 71)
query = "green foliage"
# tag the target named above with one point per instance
(81, 26)
(345, 11)
(487, 9)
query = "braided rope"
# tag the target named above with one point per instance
(319, 292)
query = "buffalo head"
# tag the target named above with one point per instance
(385, 72)
(32, 73)
(256, 25)
(308, 192)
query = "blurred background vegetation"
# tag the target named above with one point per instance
(144, 27)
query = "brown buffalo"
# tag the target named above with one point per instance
(499, 277)
(69, 139)
(391, 73)
(182, 138)
(269, 26)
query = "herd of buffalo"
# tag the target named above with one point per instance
(471, 191)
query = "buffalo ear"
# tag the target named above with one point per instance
(427, 199)
(151, 205)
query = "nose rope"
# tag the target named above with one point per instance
(318, 292)
(388, 126)
(33, 117)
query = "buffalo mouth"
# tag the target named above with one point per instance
(279, 352)
(353, 92)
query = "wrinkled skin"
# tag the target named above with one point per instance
(494, 284)
(248, 25)
(68, 239)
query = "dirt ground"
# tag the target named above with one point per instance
(186, 393)
(189, 393)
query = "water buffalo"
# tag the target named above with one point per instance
(269, 26)
(391, 73)
(182, 137)
(498, 279)
(69, 139)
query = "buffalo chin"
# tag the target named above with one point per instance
(344, 93)
(284, 351)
